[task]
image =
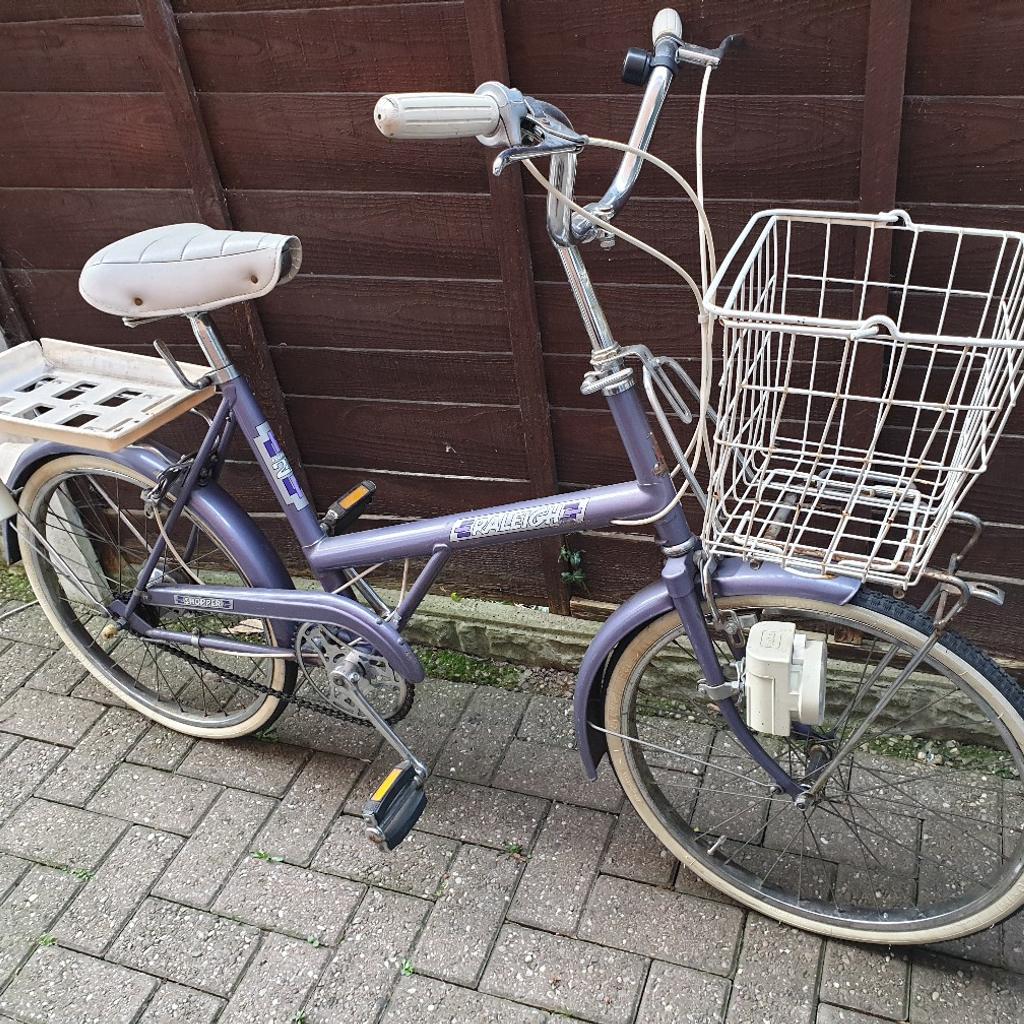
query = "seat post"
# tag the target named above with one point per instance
(209, 342)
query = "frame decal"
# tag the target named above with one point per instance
(519, 520)
(270, 451)
(209, 604)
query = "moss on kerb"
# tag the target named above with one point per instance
(14, 585)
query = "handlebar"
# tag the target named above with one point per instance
(527, 128)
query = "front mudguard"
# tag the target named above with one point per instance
(734, 578)
(252, 552)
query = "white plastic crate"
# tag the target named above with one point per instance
(861, 396)
(95, 398)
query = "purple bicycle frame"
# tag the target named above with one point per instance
(437, 539)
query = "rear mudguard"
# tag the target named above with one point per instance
(253, 553)
(734, 578)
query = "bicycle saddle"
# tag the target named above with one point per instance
(186, 268)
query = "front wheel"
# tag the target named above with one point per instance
(89, 509)
(918, 835)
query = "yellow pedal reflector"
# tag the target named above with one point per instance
(355, 495)
(382, 790)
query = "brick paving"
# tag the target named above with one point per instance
(149, 878)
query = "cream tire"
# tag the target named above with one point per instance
(1001, 692)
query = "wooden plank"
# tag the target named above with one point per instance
(490, 63)
(78, 222)
(961, 150)
(812, 47)
(404, 313)
(965, 49)
(43, 10)
(77, 55)
(779, 148)
(397, 234)
(647, 218)
(458, 378)
(89, 140)
(411, 437)
(404, 496)
(208, 195)
(325, 141)
(236, 6)
(343, 49)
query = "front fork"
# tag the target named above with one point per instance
(683, 583)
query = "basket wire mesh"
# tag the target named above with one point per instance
(869, 366)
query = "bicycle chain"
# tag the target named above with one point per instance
(293, 698)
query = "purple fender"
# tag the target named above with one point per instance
(250, 549)
(734, 578)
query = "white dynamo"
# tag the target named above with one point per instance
(784, 678)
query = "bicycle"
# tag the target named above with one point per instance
(819, 750)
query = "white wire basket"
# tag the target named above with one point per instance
(869, 367)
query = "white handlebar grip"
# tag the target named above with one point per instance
(435, 115)
(666, 23)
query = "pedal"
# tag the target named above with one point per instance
(395, 807)
(348, 508)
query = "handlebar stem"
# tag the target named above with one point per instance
(625, 178)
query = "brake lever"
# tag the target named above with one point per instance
(691, 53)
(554, 141)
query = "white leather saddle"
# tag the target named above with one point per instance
(186, 268)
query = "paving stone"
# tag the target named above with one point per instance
(302, 818)
(286, 898)
(19, 662)
(211, 852)
(561, 869)
(674, 994)
(11, 869)
(643, 919)
(468, 913)
(634, 852)
(565, 975)
(475, 814)
(62, 985)
(91, 761)
(25, 768)
(416, 867)
(541, 770)
(48, 716)
(161, 748)
(60, 673)
(485, 729)
(549, 720)
(188, 946)
(158, 799)
(377, 941)
(417, 999)
(314, 732)
(1013, 942)
(245, 764)
(840, 1015)
(777, 975)
(277, 982)
(108, 899)
(29, 912)
(944, 991)
(984, 947)
(874, 979)
(58, 834)
(8, 741)
(176, 1004)
(92, 689)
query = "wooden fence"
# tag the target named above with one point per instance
(429, 341)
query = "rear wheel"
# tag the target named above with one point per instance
(89, 508)
(918, 836)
